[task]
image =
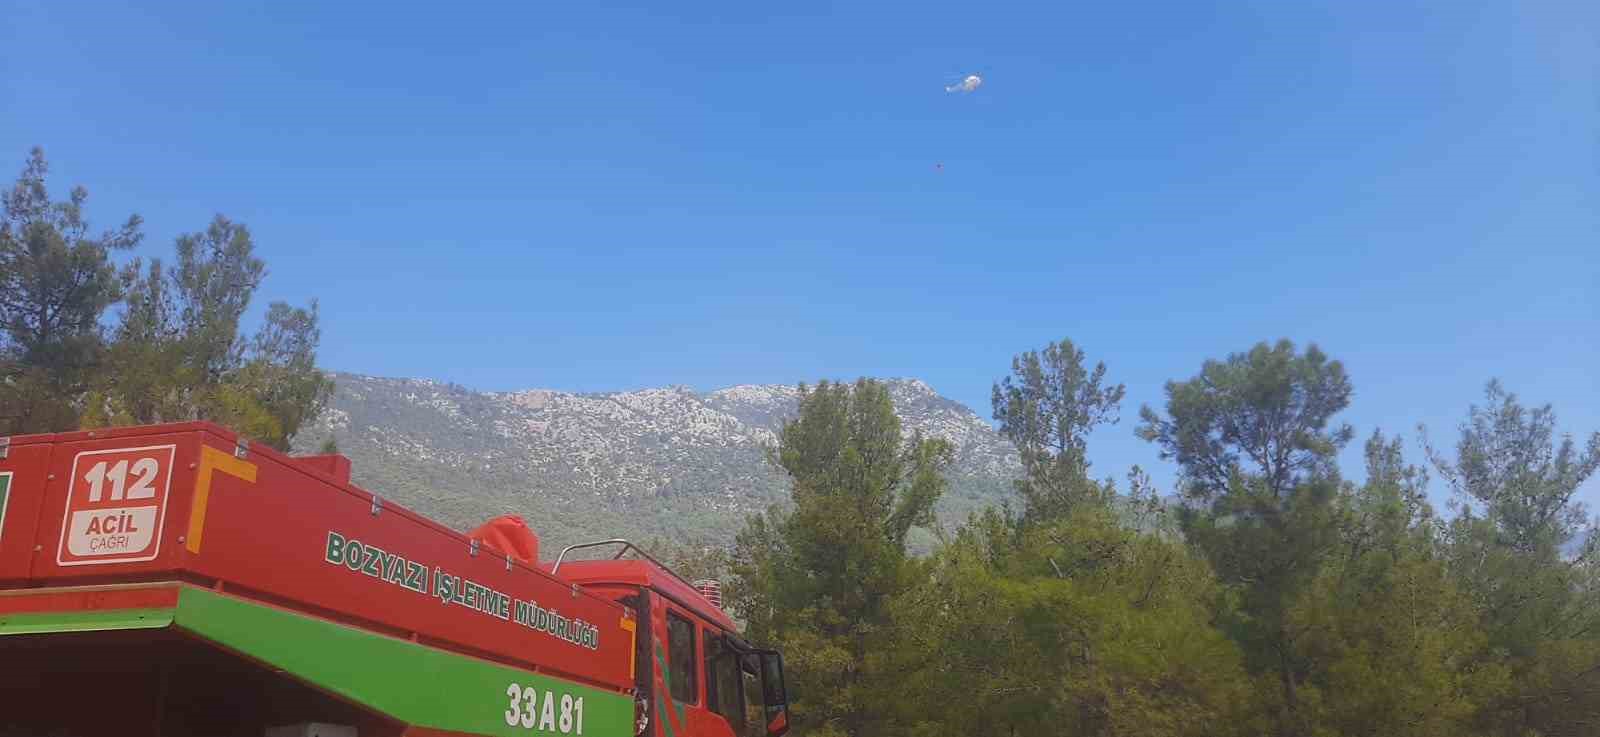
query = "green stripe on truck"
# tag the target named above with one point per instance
(413, 683)
(34, 623)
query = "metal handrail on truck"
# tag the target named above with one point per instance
(626, 546)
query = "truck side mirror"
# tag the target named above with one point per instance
(774, 697)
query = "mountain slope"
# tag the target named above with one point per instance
(669, 463)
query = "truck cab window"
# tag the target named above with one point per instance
(723, 686)
(681, 659)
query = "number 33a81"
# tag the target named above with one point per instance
(531, 709)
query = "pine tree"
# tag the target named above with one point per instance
(1047, 407)
(818, 578)
(1084, 615)
(1515, 483)
(1383, 604)
(178, 353)
(56, 282)
(1252, 438)
(1082, 627)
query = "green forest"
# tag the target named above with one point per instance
(1280, 595)
(1277, 598)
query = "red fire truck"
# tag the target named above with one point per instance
(178, 581)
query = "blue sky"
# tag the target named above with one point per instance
(592, 197)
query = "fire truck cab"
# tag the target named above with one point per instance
(705, 678)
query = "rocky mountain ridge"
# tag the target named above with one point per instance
(667, 463)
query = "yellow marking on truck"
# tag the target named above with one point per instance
(212, 460)
(633, 642)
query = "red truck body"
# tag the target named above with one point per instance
(227, 543)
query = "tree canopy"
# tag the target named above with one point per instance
(820, 576)
(1276, 597)
(174, 347)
